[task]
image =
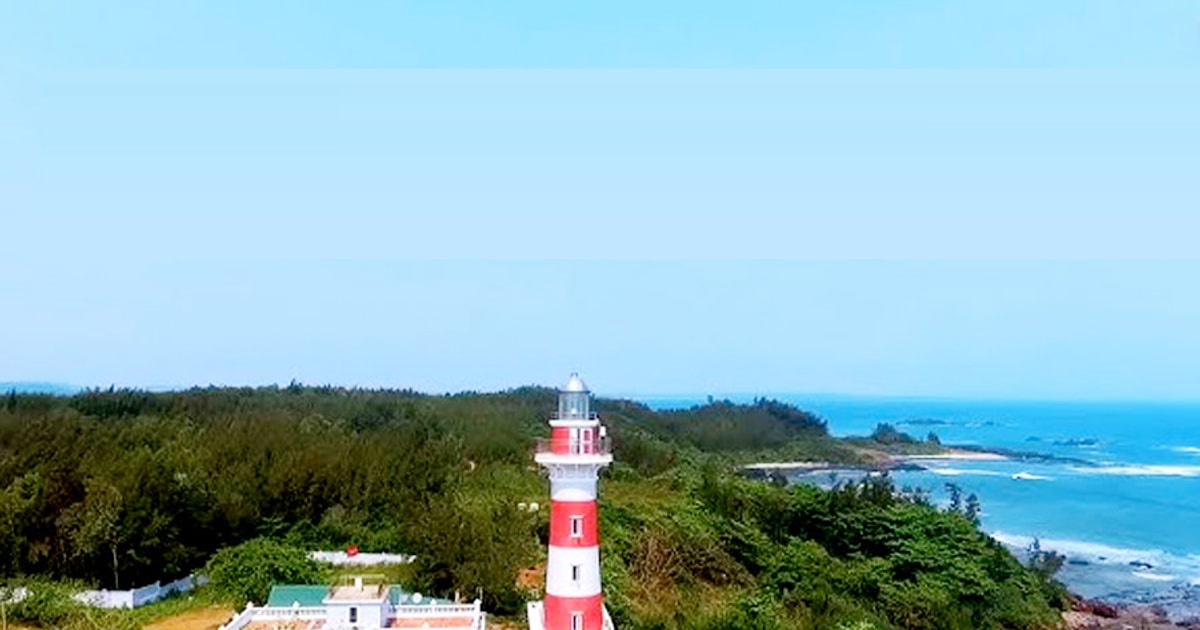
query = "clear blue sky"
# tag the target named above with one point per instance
(670, 197)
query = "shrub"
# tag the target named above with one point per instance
(245, 573)
(46, 603)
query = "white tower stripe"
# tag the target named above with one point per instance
(588, 561)
(573, 490)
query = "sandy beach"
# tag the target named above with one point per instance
(955, 455)
(881, 461)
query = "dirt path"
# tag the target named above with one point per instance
(200, 619)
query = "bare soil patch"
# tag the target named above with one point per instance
(209, 618)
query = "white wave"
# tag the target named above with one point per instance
(1191, 450)
(1150, 470)
(1080, 548)
(1173, 565)
(957, 472)
(1031, 477)
(1157, 577)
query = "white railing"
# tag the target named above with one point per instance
(240, 620)
(567, 446)
(251, 614)
(434, 610)
(291, 612)
(473, 617)
(536, 612)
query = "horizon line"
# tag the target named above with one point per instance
(68, 389)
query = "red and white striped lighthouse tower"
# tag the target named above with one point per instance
(573, 456)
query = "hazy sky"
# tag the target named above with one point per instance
(670, 197)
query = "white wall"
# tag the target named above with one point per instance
(139, 596)
(369, 615)
(362, 559)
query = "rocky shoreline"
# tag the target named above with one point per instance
(1173, 607)
(1177, 607)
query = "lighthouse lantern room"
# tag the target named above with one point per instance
(573, 456)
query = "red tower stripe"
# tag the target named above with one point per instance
(559, 611)
(560, 440)
(561, 516)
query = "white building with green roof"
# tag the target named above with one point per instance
(356, 604)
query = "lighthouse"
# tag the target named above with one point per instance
(573, 456)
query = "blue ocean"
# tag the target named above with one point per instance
(1125, 512)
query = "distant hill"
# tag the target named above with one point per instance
(27, 387)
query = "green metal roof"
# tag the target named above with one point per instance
(285, 595)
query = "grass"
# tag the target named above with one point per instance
(402, 574)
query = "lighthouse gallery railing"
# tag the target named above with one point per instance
(594, 446)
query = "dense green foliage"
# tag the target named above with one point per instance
(121, 488)
(800, 557)
(246, 572)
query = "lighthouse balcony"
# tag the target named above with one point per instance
(568, 416)
(573, 451)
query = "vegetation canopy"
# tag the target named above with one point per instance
(120, 488)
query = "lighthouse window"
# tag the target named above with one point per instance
(574, 572)
(576, 526)
(576, 621)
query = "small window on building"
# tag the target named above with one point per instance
(575, 573)
(577, 526)
(353, 615)
(576, 621)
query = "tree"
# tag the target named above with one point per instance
(955, 497)
(16, 504)
(973, 508)
(94, 525)
(885, 433)
(1043, 561)
(247, 572)
(472, 545)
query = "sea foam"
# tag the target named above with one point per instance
(1149, 470)
(957, 472)
(1031, 477)
(1157, 577)
(1147, 564)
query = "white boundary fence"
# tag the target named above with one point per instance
(139, 596)
(341, 558)
(126, 599)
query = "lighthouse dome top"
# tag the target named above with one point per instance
(575, 384)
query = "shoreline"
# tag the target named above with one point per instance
(1103, 596)
(1178, 609)
(884, 461)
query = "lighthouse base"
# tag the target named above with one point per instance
(536, 611)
